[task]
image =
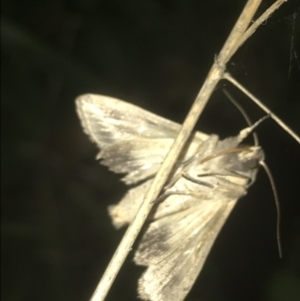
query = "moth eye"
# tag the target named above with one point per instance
(251, 163)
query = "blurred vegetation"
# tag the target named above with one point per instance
(56, 236)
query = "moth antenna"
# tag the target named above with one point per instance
(243, 112)
(276, 198)
(245, 132)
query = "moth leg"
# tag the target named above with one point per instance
(228, 180)
(206, 147)
(166, 194)
(179, 173)
(187, 161)
(172, 181)
(230, 172)
(237, 174)
(196, 181)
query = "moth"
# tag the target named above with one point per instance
(205, 184)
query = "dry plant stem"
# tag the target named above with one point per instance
(238, 31)
(250, 31)
(266, 109)
(214, 75)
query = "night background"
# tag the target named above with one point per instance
(56, 235)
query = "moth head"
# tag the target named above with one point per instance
(245, 162)
(250, 157)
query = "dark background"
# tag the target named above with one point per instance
(56, 235)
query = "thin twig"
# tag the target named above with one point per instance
(261, 105)
(214, 76)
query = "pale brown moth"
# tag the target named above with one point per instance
(205, 184)
(196, 194)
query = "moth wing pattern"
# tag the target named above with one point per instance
(108, 120)
(174, 249)
(132, 140)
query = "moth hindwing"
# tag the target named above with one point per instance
(209, 178)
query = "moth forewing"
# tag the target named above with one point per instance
(132, 141)
(106, 120)
(209, 178)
